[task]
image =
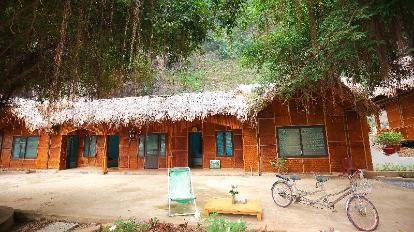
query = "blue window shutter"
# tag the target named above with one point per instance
(18, 146)
(220, 143)
(162, 145)
(86, 146)
(141, 147)
(92, 146)
(31, 147)
(229, 143)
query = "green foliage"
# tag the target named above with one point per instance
(394, 167)
(191, 80)
(214, 224)
(129, 225)
(299, 44)
(279, 163)
(389, 138)
(95, 48)
(205, 72)
(220, 224)
(233, 191)
(305, 42)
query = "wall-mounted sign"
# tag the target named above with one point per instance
(214, 164)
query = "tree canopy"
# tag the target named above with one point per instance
(88, 47)
(300, 43)
(97, 48)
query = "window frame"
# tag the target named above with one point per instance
(88, 155)
(302, 155)
(158, 141)
(224, 143)
(25, 147)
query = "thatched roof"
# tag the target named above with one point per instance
(391, 87)
(242, 103)
(134, 110)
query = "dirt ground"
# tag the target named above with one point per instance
(93, 197)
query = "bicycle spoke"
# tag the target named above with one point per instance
(362, 213)
(282, 194)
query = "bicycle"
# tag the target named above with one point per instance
(360, 211)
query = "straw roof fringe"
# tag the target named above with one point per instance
(243, 103)
(134, 110)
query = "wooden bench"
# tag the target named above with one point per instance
(224, 206)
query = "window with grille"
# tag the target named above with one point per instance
(152, 144)
(25, 147)
(89, 146)
(306, 141)
(224, 143)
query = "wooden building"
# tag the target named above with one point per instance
(192, 129)
(397, 104)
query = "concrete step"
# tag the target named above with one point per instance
(6, 218)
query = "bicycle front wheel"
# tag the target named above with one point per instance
(362, 213)
(282, 194)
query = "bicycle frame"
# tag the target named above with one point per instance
(300, 195)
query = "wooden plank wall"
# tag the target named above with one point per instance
(128, 149)
(332, 116)
(400, 112)
(210, 147)
(41, 162)
(248, 141)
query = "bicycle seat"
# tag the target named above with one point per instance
(294, 177)
(287, 178)
(321, 178)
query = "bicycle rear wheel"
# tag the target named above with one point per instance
(362, 213)
(282, 194)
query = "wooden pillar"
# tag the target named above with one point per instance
(325, 121)
(377, 122)
(105, 155)
(168, 152)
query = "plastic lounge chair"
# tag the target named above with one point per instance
(180, 189)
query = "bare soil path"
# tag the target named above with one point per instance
(104, 198)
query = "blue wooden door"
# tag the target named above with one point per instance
(72, 149)
(195, 151)
(113, 150)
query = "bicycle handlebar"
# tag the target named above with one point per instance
(282, 177)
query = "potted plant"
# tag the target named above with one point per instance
(390, 141)
(233, 191)
(279, 163)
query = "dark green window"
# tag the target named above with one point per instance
(25, 147)
(152, 144)
(306, 141)
(89, 146)
(224, 143)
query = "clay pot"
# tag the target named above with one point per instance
(389, 150)
(397, 147)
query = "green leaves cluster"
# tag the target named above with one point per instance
(389, 138)
(305, 42)
(96, 48)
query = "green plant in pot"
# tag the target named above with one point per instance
(233, 191)
(390, 141)
(279, 163)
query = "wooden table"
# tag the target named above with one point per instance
(224, 206)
